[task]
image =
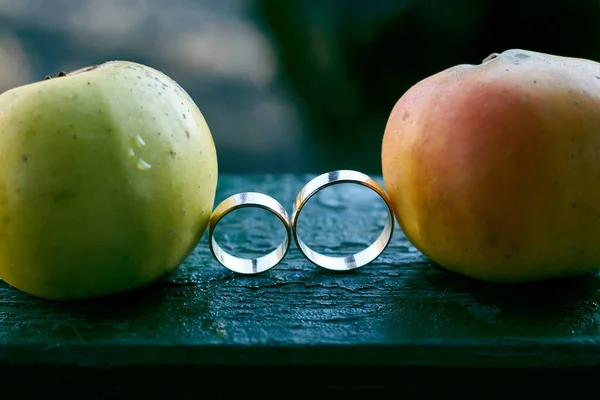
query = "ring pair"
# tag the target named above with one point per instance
(268, 261)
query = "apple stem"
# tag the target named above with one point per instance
(60, 74)
(490, 57)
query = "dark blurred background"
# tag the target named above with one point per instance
(289, 85)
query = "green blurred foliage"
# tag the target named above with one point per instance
(349, 61)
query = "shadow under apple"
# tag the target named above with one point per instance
(570, 302)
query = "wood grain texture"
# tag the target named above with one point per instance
(399, 311)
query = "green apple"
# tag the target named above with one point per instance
(107, 181)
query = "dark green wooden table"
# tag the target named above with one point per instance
(397, 327)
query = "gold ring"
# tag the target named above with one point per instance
(362, 257)
(252, 265)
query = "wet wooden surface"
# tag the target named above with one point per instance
(402, 314)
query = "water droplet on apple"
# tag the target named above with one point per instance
(143, 165)
(139, 141)
(131, 153)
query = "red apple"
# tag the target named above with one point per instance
(493, 170)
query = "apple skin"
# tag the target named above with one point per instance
(494, 169)
(107, 181)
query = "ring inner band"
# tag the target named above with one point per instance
(364, 256)
(249, 265)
